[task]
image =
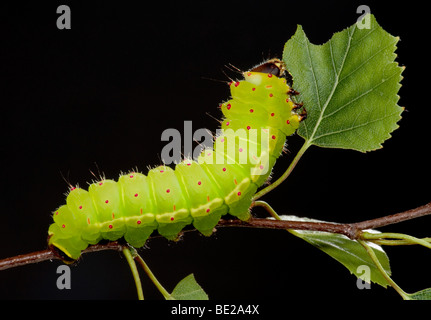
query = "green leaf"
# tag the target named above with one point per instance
(349, 253)
(188, 289)
(420, 295)
(348, 85)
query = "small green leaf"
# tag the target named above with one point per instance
(421, 295)
(349, 253)
(188, 289)
(349, 87)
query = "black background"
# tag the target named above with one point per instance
(97, 97)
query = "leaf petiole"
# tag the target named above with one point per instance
(379, 266)
(153, 278)
(268, 208)
(388, 242)
(130, 259)
(399, 236)
(288, 171)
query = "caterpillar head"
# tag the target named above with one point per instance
(273, 66)
(278, 68)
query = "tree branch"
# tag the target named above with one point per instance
(395, 218)
(351, 230)
(286, 224)
(39, 256)
(25, 259)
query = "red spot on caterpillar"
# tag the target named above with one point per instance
(236, 84)
(227, 123)
(228, 106)
(222, 140)
(253, 89)
(106, 201)
(272, 114)
(138, 222)
(168, 190)
(172, 218)
(224, 169)
(73, 188)
(287, 121)
(161, 171)
(248, 127)
(269, 75)
(249, 74)
(239, 193)
(100, 183)
(199, 183)
(271, 95)
(230, 83)
(273, 137)
(209, 153)
(208, 210)
(261, 167)
(110, 226)
(56, 213)
(80, 207)
(88, 220)
(136, 195)
(287, 100)
(63, 226)
(251, 110)
(131, 176)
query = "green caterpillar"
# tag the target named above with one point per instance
(260, 115)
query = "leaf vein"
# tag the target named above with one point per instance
(350, 36)
(356, 127)
(360, 96)
(357, 42)
(365, 62)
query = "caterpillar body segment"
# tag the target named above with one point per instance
(222, 180)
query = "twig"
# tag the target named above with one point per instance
(351, 230)
(285, 224)
(25, 259)
(39, 256)
(395, 218)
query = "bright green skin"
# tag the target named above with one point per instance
(199, 192)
